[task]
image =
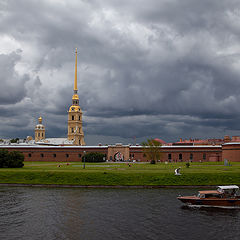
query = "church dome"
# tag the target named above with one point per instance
(39, 126)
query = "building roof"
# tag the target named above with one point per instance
(231, 143)
(184, 146)
(50, 146)
(54, 141)
(160, 140)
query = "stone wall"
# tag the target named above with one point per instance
(169, 153)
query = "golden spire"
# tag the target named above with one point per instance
(75, 81)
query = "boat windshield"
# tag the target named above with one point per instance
(200, 195)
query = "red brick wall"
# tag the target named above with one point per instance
(231, 152)
(135, 153)
(56, 154)
(197, 153)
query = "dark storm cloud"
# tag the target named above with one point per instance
(163, 68)
(12, 88)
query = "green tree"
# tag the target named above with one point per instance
(152, 150)
(14, 140)
(15, 159)
(95, 157)
(4, 156)
(11, 159)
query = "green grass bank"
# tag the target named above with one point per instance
(120, 174)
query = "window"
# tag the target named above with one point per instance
(39, 134)
(42, 134)
(79, 118)
(29, 155)
(54, 155)
(72, 117)
(180, 156)
(79, 142)
(169, 156)
(191, 156)
(67, 155)
(204, 156)
(42, 155)
(72, 130)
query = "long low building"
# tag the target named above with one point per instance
(119, 152)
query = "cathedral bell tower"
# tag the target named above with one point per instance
(39, 131)
(75, 132)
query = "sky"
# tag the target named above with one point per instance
(146, 69)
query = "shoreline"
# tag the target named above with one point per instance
(137, 176)
(103, 186)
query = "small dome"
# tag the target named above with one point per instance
(40, 120)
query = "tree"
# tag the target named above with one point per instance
(95, 157)
(15, 160)
(11, 159)
(152, 150)
(14, 140)
(4, 155)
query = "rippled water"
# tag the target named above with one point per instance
(47, 213)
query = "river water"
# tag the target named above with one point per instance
(75, 213)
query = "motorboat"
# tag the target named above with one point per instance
(224, 196)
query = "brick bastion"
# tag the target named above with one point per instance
(231, 151)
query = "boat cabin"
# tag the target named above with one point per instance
(221, 192)
(232, 190)
(209, 194)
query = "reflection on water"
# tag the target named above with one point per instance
(46, 213)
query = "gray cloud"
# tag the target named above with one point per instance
(12, 84)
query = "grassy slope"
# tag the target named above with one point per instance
(120, 174)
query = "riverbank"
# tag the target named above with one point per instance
(100, 186)
(118, 179)
(121, 174)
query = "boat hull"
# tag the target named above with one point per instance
(211, 202)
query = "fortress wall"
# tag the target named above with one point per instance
(75, 154)
(231, 152)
